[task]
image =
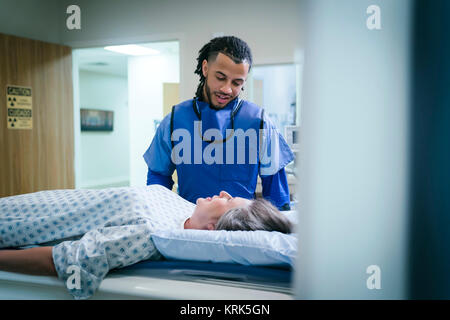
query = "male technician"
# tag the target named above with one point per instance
(219, 141)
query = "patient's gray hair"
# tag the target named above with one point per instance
(259, 215)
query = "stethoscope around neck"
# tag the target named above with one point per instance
(199, 116)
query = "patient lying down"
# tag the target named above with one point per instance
(100, 230)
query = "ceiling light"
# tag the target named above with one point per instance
(133, 50)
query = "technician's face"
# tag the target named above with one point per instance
(224, 80)
(209, 210)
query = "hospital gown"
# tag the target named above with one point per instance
(93, 230)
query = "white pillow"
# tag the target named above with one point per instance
(262, 248)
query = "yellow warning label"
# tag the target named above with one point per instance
(19, 105)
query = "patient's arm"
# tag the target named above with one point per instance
(35, 261)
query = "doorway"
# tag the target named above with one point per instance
(124, 83)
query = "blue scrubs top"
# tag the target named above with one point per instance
(202, 180)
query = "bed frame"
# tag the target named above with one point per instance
(163, 280)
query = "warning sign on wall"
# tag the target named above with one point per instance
(19, 106)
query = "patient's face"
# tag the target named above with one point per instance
(209, 210)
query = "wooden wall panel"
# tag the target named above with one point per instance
(41, 158)
(171, 97)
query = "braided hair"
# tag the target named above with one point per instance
(233, 47)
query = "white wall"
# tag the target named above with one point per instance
(33, 19)
(145, 80)
(354, 151)
(272, 30)
(104, 155)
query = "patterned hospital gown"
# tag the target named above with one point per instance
(94, 230)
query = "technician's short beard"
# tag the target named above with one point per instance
(208, 95)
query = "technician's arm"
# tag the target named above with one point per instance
(275, 189)
(158, 157)
(34, 261)
(156, 178)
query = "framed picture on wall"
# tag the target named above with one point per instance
(96, 120)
